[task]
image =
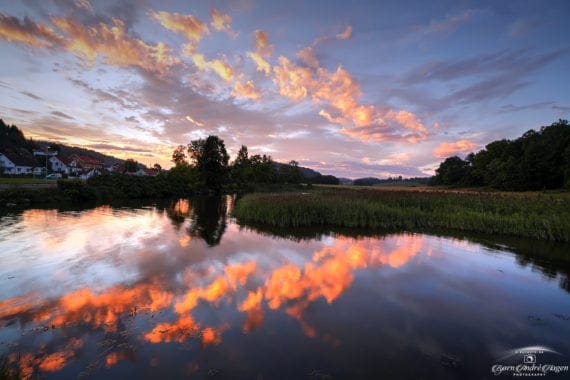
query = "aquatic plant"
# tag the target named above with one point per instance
(535, 215)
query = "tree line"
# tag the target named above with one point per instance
(204, 164)
(535, 161)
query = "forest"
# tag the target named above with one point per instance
(538, 160)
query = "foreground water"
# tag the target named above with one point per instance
(182, 291)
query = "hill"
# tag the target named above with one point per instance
(372, 181)
(12, 140)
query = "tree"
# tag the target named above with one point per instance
(242, 158)
(211, 161)
(179, 156)
(293, 172)
(131, 165)
(157, 167)
(452, 171)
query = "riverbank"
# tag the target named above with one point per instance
(533, 215)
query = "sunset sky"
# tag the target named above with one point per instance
(352, 89)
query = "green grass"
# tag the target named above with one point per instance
(535, 215)
(26, 180)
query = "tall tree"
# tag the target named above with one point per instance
(179, 156)
(211, 160)
(131, 165)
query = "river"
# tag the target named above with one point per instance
(181, 290)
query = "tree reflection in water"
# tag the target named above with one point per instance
(207, 215)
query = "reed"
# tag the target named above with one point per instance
(538, 215)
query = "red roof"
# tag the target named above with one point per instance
(150, 172)
(87, 159)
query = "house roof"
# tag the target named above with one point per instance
(65, 160)
(87, 159)
(151, 172)
(18, 159)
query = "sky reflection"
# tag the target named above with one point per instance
(85, 291)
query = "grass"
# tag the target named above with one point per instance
(535, 215)
(23, 181)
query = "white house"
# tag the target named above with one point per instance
(14, 164)
(90, 173)
(58, 165)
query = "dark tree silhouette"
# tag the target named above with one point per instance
(211, 161)
(179, 156)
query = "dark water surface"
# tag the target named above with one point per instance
(182, 291)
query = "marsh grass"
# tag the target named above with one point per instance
(538, 216)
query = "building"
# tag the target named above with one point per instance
(86, 162)
(15, 164)
(145, 172)
(58, 165)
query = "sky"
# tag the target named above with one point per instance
(349, 88)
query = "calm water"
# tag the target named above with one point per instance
(182, 291)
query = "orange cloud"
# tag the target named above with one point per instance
(179, 331)
(246, 90)
(294, 82)
(27, 32)
(262, 45)
(238, 274)
(339, 91)
(114, 45)
(189, 26)
(262, 64)
(308, 57)
(221, 22)
(222, 69)
(447, 149)
(345, 34)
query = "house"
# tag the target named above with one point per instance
(145, 172)
(47, 152)
(90, 173)
(116, 169)
(86, 162)
(58, 165)
(15, 164)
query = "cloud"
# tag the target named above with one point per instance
(84, 4)
(114, 45)
(27, 32)
(516, 63)
(87, 43)
(262, 45)
(262, 64)
(345, 34)
(523, 27)
(339, 92)
(448, 23)
(222, 69)
(111, 147)
(197, 123)
(448, 149)
(189, 26)
(293, 81)
(474, 79)
(308, 57)
(222, 22)
(63, 115)
(30, 95)
(246, 90)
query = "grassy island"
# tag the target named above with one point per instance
(535, 215)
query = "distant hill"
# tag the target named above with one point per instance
(372, 181)
(66, 151)
(312, 175)
(12, 140)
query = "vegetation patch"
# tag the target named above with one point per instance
(533, 215)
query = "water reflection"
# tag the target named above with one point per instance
(108, 292)
(207, 217)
